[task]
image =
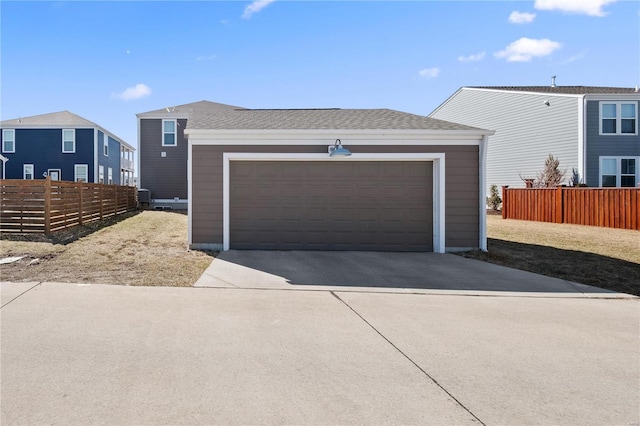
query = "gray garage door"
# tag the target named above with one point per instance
(331, 205)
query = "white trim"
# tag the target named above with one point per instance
(95, 155)
(438, 160)
(619, 169)
(13, 131)
(623, 97)
(482, 171)
(351, 137)
(618, 118)
(55, 170)
(105, 145)
(189, 194)
(24, 171)
(582, 140)
(523, 92)
(73, 140)
(75, 171)
(175, 132)
(163, 116)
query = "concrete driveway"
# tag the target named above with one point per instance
(422, 272)
(99, 354)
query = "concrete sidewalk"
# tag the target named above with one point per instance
(87, 354)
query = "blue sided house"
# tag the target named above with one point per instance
(66, 147)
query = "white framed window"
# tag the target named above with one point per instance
(8, 141)
(81, 172)
(169, 133)
(618, 118)
(55, 174)
(68, 141)
(105, 145)
(27, 171)
(619, 172)
(110, 176)
(100, 174)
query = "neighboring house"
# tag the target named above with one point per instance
(264, 179)
(66, 147)
(162, 151)
(593, 130)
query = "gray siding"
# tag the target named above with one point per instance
(527, 131)
(461, 199)
(611, 145)
(165, 177)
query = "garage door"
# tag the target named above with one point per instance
(331, 205)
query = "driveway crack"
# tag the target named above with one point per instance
(26, 291)
(408, 358)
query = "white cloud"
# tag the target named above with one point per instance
(525, 49)
(255, 7)
(429, 72)
(472, 58)
(206, 58)
(585, 7)
(521, 17)
(136, 92)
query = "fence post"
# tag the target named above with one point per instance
(504, 201)
(115, 209)
(80, 209)
(559, 205)
(47, 205)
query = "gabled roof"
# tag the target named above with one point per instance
(317, 119)
(567, 90)
(56, 119)
(61, 119)
(187, 109)
(205, 115)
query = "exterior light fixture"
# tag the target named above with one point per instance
(337, 150)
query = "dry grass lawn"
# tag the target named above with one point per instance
(149, 248)
(603, 257)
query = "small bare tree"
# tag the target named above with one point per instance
(494, 200)
(551, 176)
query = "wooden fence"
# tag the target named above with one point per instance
(46, 206)
(610, 207)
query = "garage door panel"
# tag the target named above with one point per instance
(343, 205)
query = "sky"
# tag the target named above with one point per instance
(107, 61)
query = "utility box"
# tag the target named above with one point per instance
(144, 198)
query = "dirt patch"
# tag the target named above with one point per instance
(603, 257)
(149, 248)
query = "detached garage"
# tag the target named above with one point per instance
(334, 180)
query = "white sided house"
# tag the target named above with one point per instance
(332, 179)
(592, 130)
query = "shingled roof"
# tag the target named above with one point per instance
(57, 119)
(567, 90)
(210, 115)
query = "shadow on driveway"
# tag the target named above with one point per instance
(427, 271)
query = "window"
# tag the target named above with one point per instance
(27, 171)
(68, 141)
(106, 145)
(100, 174)
(169, 133)
(618, 118)
(8, 140)
(81, 172)
(619, 172)
(110, 176)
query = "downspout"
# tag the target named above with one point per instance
(483, 191)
